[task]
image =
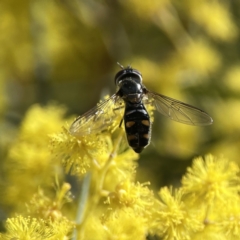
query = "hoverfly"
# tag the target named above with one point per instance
(132, 97)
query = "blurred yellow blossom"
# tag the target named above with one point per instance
(44, 207)
(229, 220)
(201, 57)
(80, 155)
(228, 118)
(27, 228)
(111, 198)
(131, 195)
(146, 10)
(177, 215)
(215, 179)
(232, 77)
(214, 17)
(172, 218)
(229, 108)
(124, 226)
(29, 156)
(122, 167)
(65, 50)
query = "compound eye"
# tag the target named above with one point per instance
(138, 75)
(119, 75)
(136, 72)
(128, 73)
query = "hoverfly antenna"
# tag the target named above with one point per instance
(120, 65)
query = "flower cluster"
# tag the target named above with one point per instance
(110, 204)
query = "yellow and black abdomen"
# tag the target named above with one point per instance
(137, 126)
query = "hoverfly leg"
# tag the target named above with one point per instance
(120, 123)
(115, 109)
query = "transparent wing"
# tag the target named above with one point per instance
(105, 115)
(178, 111)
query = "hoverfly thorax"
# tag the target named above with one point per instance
(129, 85)
(130, 91)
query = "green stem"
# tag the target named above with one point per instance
(82, 202)
(81, 217)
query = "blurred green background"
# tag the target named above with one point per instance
(66, 51)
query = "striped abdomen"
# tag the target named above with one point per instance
(137, 126)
